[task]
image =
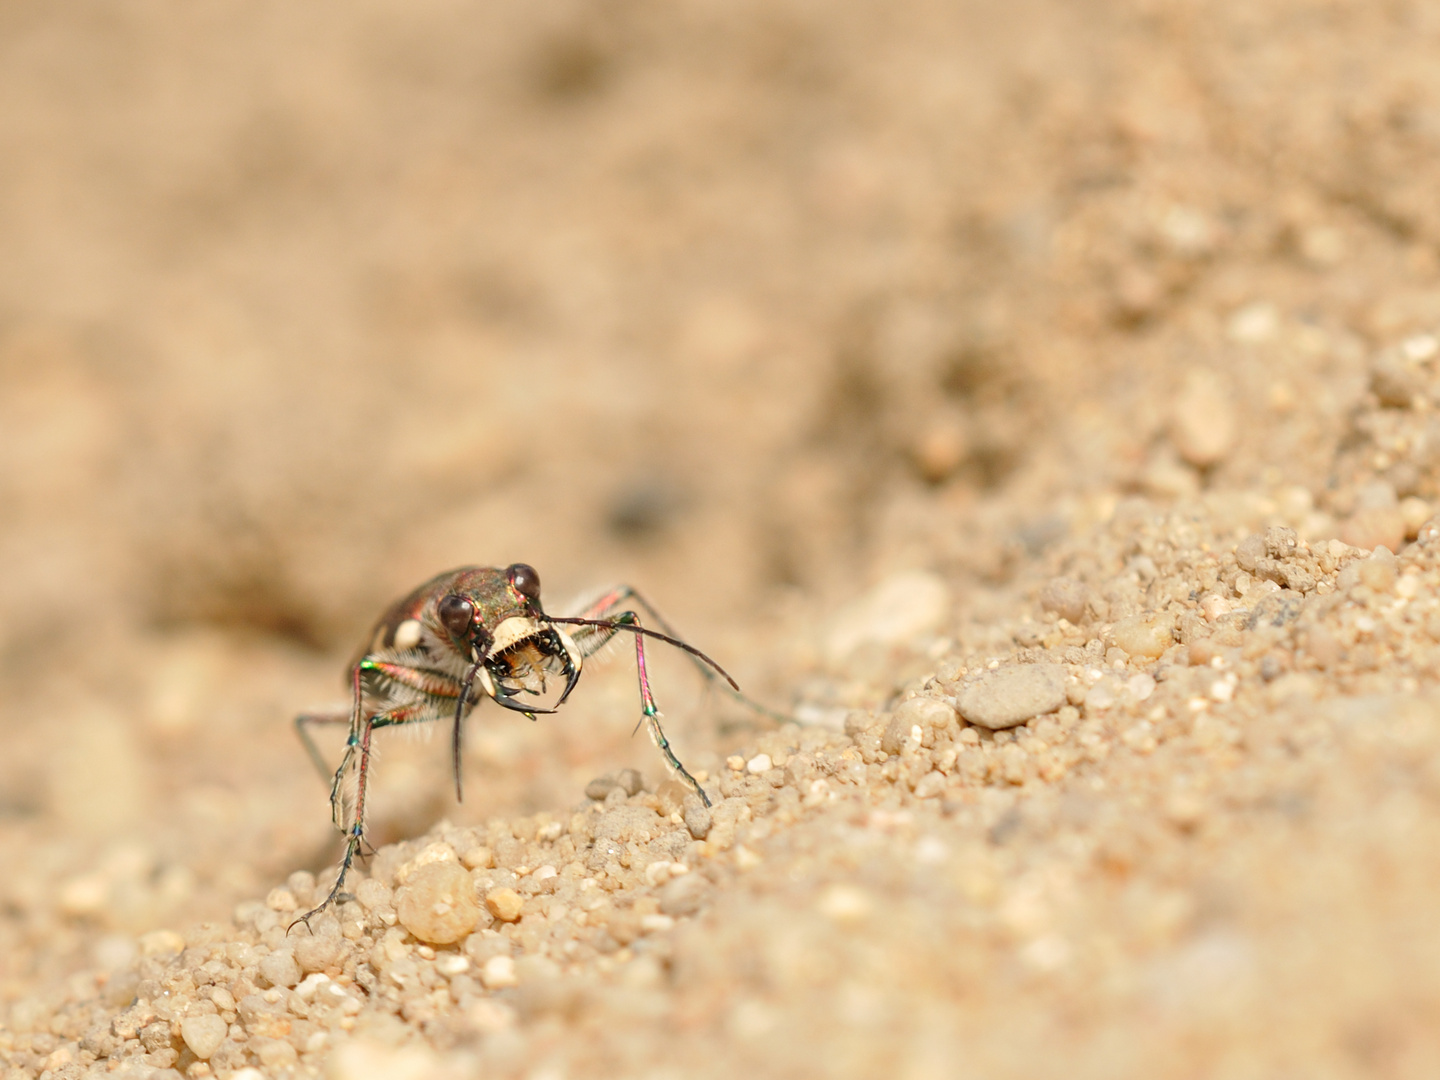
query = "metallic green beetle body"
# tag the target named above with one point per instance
(467, 635)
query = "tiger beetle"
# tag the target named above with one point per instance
(472, 633)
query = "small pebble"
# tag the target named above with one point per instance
(498, 973)
(897, 734)
(1067, 598)
(697, 819)
(758, 764)
(1214, 606)
(1281, 542)
(1395, 384)
(598, 788)
(430, 854)
(1415, 512)
(1009, 696)
(478, 858)
(630, 781)
(1147, 635)
(1420, 347)
(316, 952)
(930, 785)
(438, 903)
(670, 797)
(1140, 686)
(1379, 571)
(374, 895)
(846, 903)
(682, 895)
(1372, 527)
(281, 900)
(1256, 322)
(935, 713)
(280, 969)
(452, 964)
(1102, 695)
(1203, 422)
(658, 873)
(203, 1034)
(1249, 552)
(505, 904)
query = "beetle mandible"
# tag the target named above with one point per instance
(471, 633)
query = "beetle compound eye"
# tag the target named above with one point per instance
(456, 613)
(526, 582)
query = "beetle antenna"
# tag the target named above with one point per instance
(636, 628)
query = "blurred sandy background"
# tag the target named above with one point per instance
(749, 304)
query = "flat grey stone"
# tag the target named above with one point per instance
(1011, 695)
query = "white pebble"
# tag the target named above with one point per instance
(1147, 635)
(759, 763)
(203, 1034)
(1213, 606)
(846, 903)
(87, 894)
(931, 850)
(490, 1016)
(310, 984)
(658, 873)
(452, 964)
(498, 973)
(930, 785)
(281, 899)
(1254, 323)
(1140, 686)
(1203, 424)
(1102, 695)
(1420, 348)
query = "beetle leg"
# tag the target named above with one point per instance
(359, 745)
(650, 712)
(302, 729)
(337, 801)
(592, 639)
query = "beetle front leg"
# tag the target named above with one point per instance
(591, 640)
(652, 712)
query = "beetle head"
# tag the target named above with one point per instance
(471, 617)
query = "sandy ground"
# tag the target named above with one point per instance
(1036, 401)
